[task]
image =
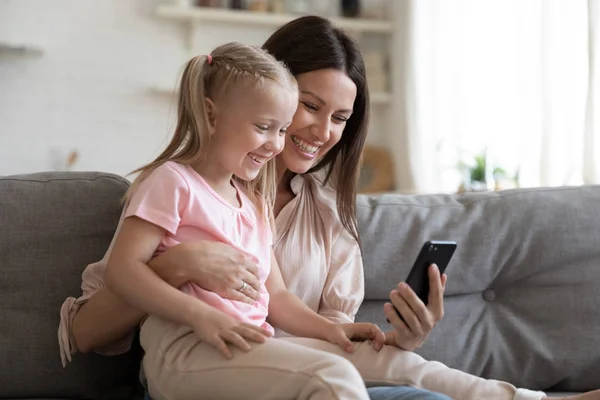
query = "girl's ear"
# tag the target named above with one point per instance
(211, 113)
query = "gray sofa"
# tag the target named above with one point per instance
(523, 298)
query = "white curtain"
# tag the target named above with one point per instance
(516, 78)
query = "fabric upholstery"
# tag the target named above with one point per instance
(523, 300)
(53, 225)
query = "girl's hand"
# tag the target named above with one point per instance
(343, 334)
(420, 319)
(214, 266)
(219, 329)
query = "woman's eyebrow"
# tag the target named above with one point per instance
(323, 102)
(319, 99)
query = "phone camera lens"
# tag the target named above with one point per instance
(430, 247)
(435, 248)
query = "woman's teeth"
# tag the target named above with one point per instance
(257, 159)
(304, 146)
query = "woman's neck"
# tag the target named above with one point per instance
(284, 188)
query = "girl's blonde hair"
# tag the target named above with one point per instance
(213, 76)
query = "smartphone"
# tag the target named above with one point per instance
(433, 252)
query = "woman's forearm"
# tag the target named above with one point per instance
(289, 313)
(166, 265)
(214, 266)
(102, 320)
(137, 284)
(106, 318)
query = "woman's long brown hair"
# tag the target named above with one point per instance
(312, 43)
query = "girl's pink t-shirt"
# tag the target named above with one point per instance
(319, 261)
(176, 198)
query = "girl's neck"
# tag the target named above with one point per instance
(219, 180)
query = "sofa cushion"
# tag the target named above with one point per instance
(53, 225)
(523, 287)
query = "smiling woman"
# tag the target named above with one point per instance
(318, 123)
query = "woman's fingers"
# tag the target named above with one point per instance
(233, 294)
(251, 288)
(392, 315)
(251, 293)
(252, 284)
(410, 307)
(396, 321)
(234, 288)
(417, 320)
(250, 266)
(436, 293)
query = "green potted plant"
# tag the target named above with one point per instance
(475, 175)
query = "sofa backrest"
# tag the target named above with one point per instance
(53, 225)
(523, 287)
(523, 298)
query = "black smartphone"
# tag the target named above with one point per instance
(433, 252)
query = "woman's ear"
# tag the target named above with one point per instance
(211, 114)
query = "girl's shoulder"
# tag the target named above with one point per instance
(168, 170)
(182, 175)
(177, 169)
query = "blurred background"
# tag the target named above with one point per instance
(466, 94)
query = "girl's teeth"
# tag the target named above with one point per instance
(304, 146)
(258, 160)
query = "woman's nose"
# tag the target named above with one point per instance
(322, 130)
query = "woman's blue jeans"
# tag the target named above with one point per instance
(396, 393)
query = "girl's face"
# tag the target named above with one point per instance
(248, 128)
(326, 98)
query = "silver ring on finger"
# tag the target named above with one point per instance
(244, 284)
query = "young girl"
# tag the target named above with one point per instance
(216, 181)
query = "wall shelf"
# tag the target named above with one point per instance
(195, 16)
(376, 98)
(269, 20)
(13, 50)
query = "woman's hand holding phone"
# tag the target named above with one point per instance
(419, 319)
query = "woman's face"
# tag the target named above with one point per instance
(325, 104)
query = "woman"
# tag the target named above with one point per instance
(315, 213)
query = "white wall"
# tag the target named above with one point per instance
(91, 89)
